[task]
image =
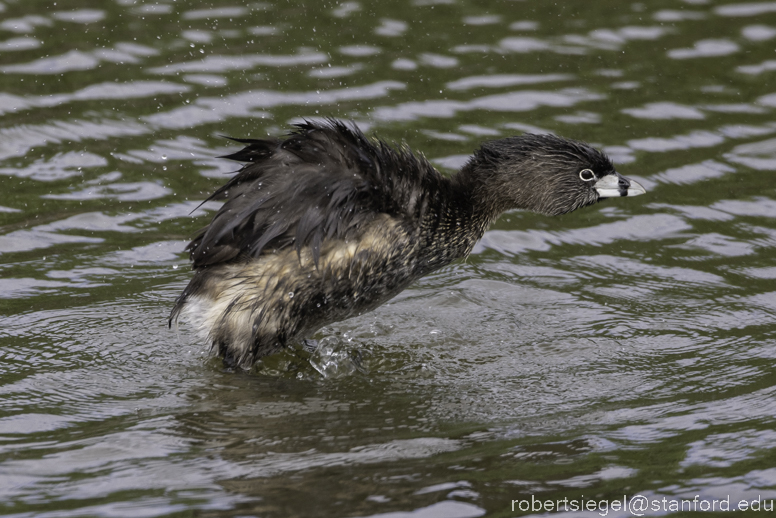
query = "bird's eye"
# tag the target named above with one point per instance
(586, 175)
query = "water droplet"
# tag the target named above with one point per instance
(290, 294)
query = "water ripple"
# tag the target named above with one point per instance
(213, 63)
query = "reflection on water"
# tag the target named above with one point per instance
(625, 349)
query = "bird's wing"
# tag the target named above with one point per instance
(325, 181)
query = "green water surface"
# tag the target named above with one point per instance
(626, 349)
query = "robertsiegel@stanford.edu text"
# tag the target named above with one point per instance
(639, 505)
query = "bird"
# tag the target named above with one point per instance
(326, 223)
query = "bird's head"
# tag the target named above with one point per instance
(545, 174)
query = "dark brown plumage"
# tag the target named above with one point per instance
(327, 224)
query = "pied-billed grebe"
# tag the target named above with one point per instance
(327, 224)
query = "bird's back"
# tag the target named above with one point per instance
(325, 181)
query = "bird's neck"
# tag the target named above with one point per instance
(480, 185)
(452, 224)
(487, 188)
